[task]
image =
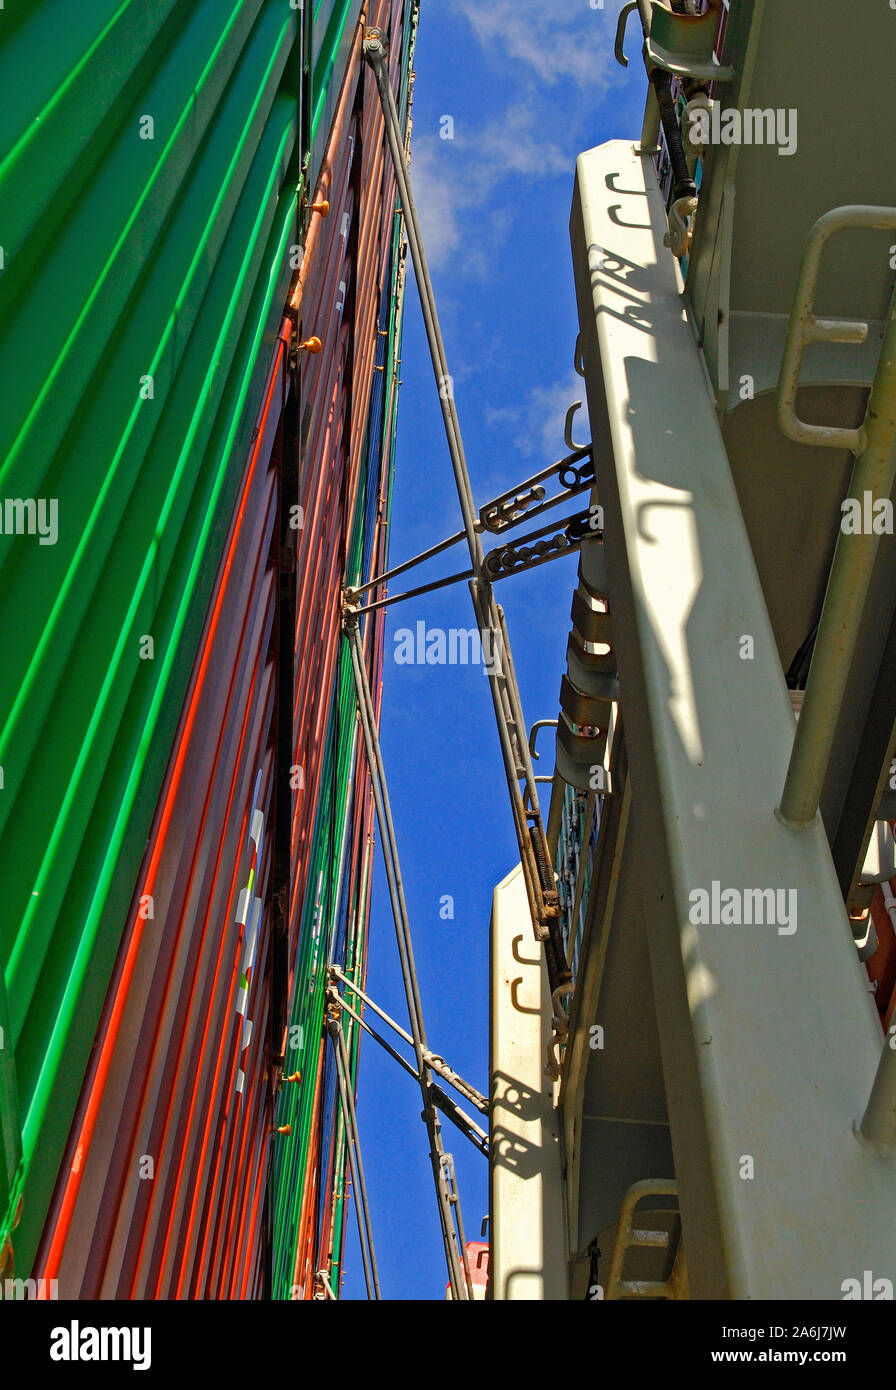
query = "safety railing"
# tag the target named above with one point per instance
(874, 472)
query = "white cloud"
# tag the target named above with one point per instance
(436, 197)
(537, 422)
(547, 407)
(564, 41)
(450, 179)
(510, 145)
(533, 135)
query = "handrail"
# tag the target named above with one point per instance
(805, 328)
(874, 471)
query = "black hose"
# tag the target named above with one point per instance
(683, 185)
(798, 671)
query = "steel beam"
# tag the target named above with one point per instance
(527, 1249)
(528, 824)
(353, 1144)
(769, 1038)
(449, 1206)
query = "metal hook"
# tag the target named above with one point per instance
(514, 998)
(578, 361)
(533, 733)
(620, 31)
(567, 429)
(522, 960)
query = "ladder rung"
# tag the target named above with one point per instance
(659, 1239)
(643, 1288)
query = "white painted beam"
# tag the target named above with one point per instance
(768, 1035)
(527, 1222)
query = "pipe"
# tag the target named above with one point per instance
(353, 594)
(844, 602)
(377, 1037)
(402, 933)
(890, 901)
(410, 593)
(432, 1059)
(375, 53)
(877, 1127)
(540, 888)
(343, 1073)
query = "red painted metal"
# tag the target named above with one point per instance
(160, 1092)
(167, 1038)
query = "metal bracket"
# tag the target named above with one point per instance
(567, 431)
(805, 328)
(520, 555)
(540, 724)
(678, 43)
(452, 1111)
(533, 734)
(434, 1060)
(525, 500)
(620, 32)
(374, 46)
(509, 509)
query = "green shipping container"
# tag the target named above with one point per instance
(153, 162)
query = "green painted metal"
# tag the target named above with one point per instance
(306, 1017)
(296, 1106)
(148, 174)
(307, 1011)
(356, 957)
(334, 22)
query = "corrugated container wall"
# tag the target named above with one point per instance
(183, 492)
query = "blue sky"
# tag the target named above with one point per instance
(528, 86)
